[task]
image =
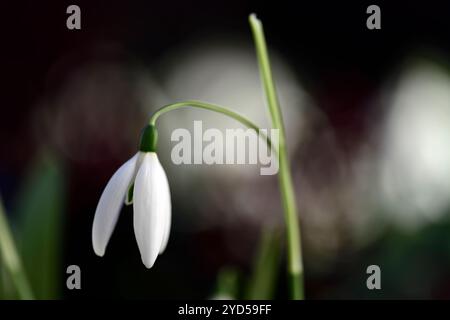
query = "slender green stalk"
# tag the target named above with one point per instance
(11, 258)
(215, 108)
(295, 263)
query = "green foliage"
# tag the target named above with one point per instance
(227, 284)
(262, 283)
(14, 280)
(39, 209)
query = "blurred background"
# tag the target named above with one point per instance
(368, 122)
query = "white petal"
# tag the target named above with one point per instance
(109, 206)
(151, 205)
(167, 214)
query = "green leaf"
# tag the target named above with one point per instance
(12, 276)
(6, 288)
(39, 208)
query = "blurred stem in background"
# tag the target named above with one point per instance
(265, 271)
(295, 263)
(262, 282)
(227, 287)
(11, 260)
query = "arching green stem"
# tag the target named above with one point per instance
(215, 108)
(295, 263)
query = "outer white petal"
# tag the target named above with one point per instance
(151, 204)
(109, 206)
(167, 210)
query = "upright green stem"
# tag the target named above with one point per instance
(295, 263)
(11, 258)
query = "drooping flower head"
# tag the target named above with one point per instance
(141, 181)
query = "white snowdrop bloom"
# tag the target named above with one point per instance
(144, 176)
(414, 167)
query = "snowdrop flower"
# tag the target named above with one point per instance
(142, 182)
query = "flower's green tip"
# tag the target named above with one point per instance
(149, 139)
